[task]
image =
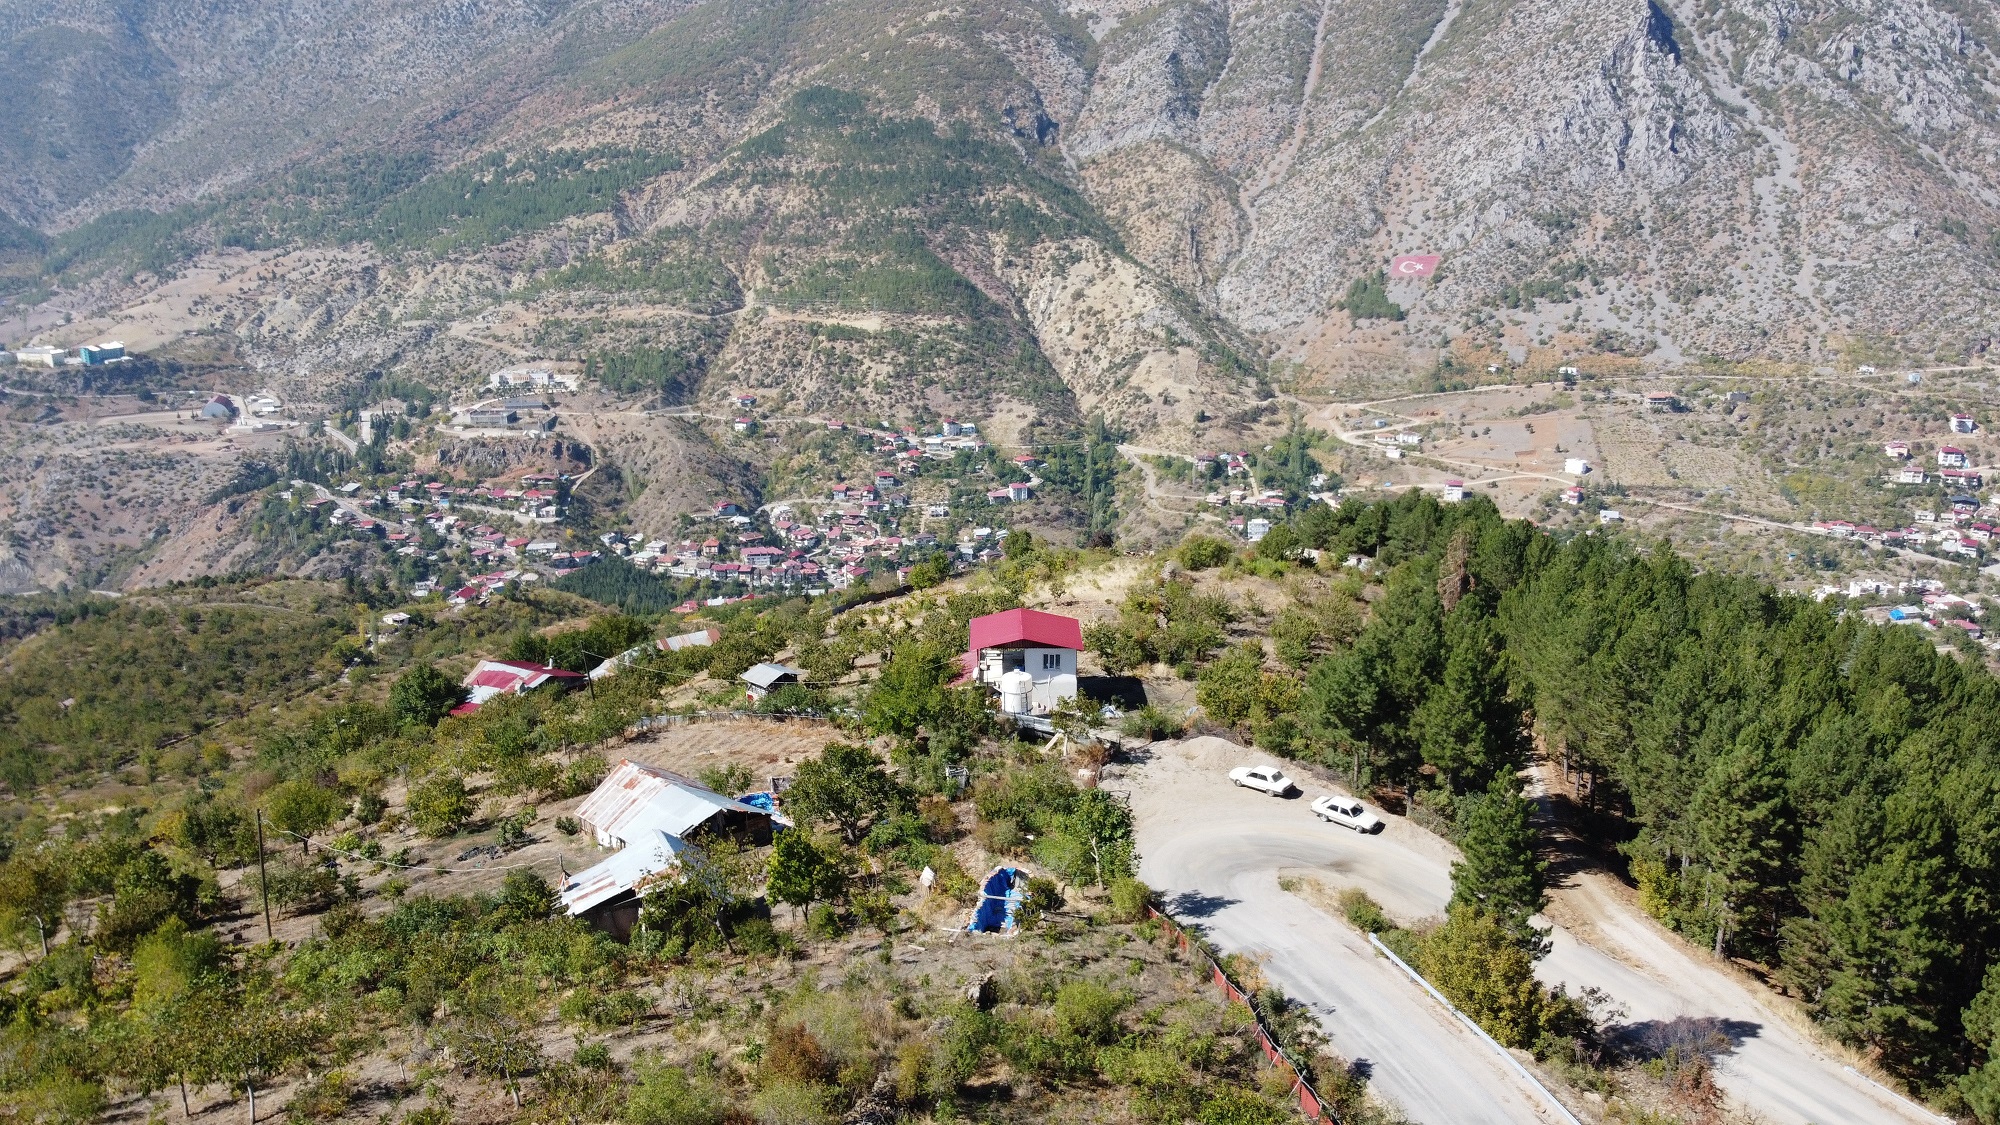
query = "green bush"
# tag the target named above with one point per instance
(1202, 552)
(1152, 722)
(1477, 960)
(1362, 912)
(668, 1095)
(1129, 900)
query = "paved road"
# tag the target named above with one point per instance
(1217, 852)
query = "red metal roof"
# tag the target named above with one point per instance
(1023, 626)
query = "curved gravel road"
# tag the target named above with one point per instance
(1216, 852)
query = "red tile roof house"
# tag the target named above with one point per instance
(1041, 647)
(489, 678)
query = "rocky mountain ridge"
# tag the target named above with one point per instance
(1121, 207)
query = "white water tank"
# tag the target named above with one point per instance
(1015, 688)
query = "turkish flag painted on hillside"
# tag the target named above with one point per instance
(1414, 265)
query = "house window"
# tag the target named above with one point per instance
(1051, 662)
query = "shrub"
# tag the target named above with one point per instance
(1242, 1107)
(1362, 912)
(1152, 723)
(1201, 552)
(794, 1054)
(667, 1095)
(1129, 899)
(1043, 896)
(594, 1056)
(825, 921)
(728, 780)
(939, 820)
(322, 1099)
(568, 825)
(369, 809)
(514, 829)
(1478, 961)
(1118, 649)
(306, 886)
(604, 1010)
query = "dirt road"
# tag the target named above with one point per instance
(1217, 852)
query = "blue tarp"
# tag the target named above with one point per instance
(999, 898)
(759, 801)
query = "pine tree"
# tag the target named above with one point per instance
(1500, 873)
(1466, 727)
(1742, 832)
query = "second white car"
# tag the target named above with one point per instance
(1347, 812)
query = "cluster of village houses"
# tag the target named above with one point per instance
(650, 818)
(1923, 602)
(1964, 525)
(812, 549)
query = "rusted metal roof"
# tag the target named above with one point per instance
(634, 798)
(650, 854)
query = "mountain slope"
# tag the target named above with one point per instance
(882, 207)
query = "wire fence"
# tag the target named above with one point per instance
(1315, 1108)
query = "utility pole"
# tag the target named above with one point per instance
(263, 881)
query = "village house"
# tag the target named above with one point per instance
(489, 678)
(1026, 655)
(653, 816)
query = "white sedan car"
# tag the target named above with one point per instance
(1266, 779)
(1346, 811)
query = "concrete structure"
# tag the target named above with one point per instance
(1951, 457)
(1662, 402)
(1900, 450)
(1041, 646)
(219, 408)
(1576, 466)
(490, 416)
(40, 356)
(96, 355)
(1963, 424)
(1454, 491)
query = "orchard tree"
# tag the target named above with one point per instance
(440, 805)
(303, 809)
(34, 889)
(847, 788)
(423, 695)
(801, 872)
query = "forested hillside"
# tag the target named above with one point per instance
(1790, 785)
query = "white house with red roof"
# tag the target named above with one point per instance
(1951, 457)
(489, 678)
(1028, 656)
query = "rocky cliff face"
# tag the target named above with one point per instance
(1122, 207)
